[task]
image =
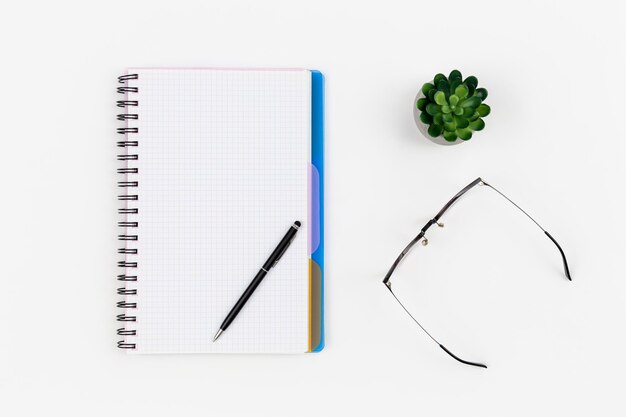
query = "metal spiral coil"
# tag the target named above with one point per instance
(127, 103)
(128, 222)
(125, 317)
(127, 170)
(126, 304)
(123, 345)
(127, 197)
(127, 251)
(127, 278)
(123, 90)
(123, 78)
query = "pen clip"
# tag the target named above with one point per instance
(284, 250)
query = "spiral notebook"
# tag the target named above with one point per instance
(216, 164)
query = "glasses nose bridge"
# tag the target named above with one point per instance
(426, 227)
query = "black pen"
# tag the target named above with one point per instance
(269, 264)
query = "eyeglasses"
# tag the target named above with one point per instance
(422, 237)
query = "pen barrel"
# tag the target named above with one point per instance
(269, 264)
(243, 299)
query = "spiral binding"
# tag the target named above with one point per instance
(127, 224)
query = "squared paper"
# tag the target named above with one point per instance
(223, 172)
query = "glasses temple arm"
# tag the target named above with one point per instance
(480, 365)
(565, 265)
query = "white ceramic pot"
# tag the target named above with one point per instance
(423, 128)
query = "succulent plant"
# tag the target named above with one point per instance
(453, 107)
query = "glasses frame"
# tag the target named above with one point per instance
(422, 237)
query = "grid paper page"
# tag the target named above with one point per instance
(223, 173)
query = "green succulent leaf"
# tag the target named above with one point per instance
(471, 90)
(473, 116)
(454, 84)
(465, 134)
(439, 77)
(447, 118)
(454, 75)
(438, 119)
(435, 130)
(454, 100)
(471, 80)
(482, 93)
(461, 122)
(449, 136)
(426, 118)
(483, 110)
(440, 98)
(468, 112)
(426, 88)
(461, 91)
(477, 124)
(446, 109)
(449, 127)
(433, 109)
(421, 103)
(458, 111)
(472, 102)
(444, 87)
(431, 95)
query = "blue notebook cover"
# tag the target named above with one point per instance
(317, 202)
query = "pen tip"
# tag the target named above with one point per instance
(219, 332)
(298, 224)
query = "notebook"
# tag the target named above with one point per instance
(216, 164)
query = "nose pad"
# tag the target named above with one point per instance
(439, 224)
(424, 242)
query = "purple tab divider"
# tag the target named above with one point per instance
(314, 209)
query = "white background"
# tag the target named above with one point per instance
(491, 286)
